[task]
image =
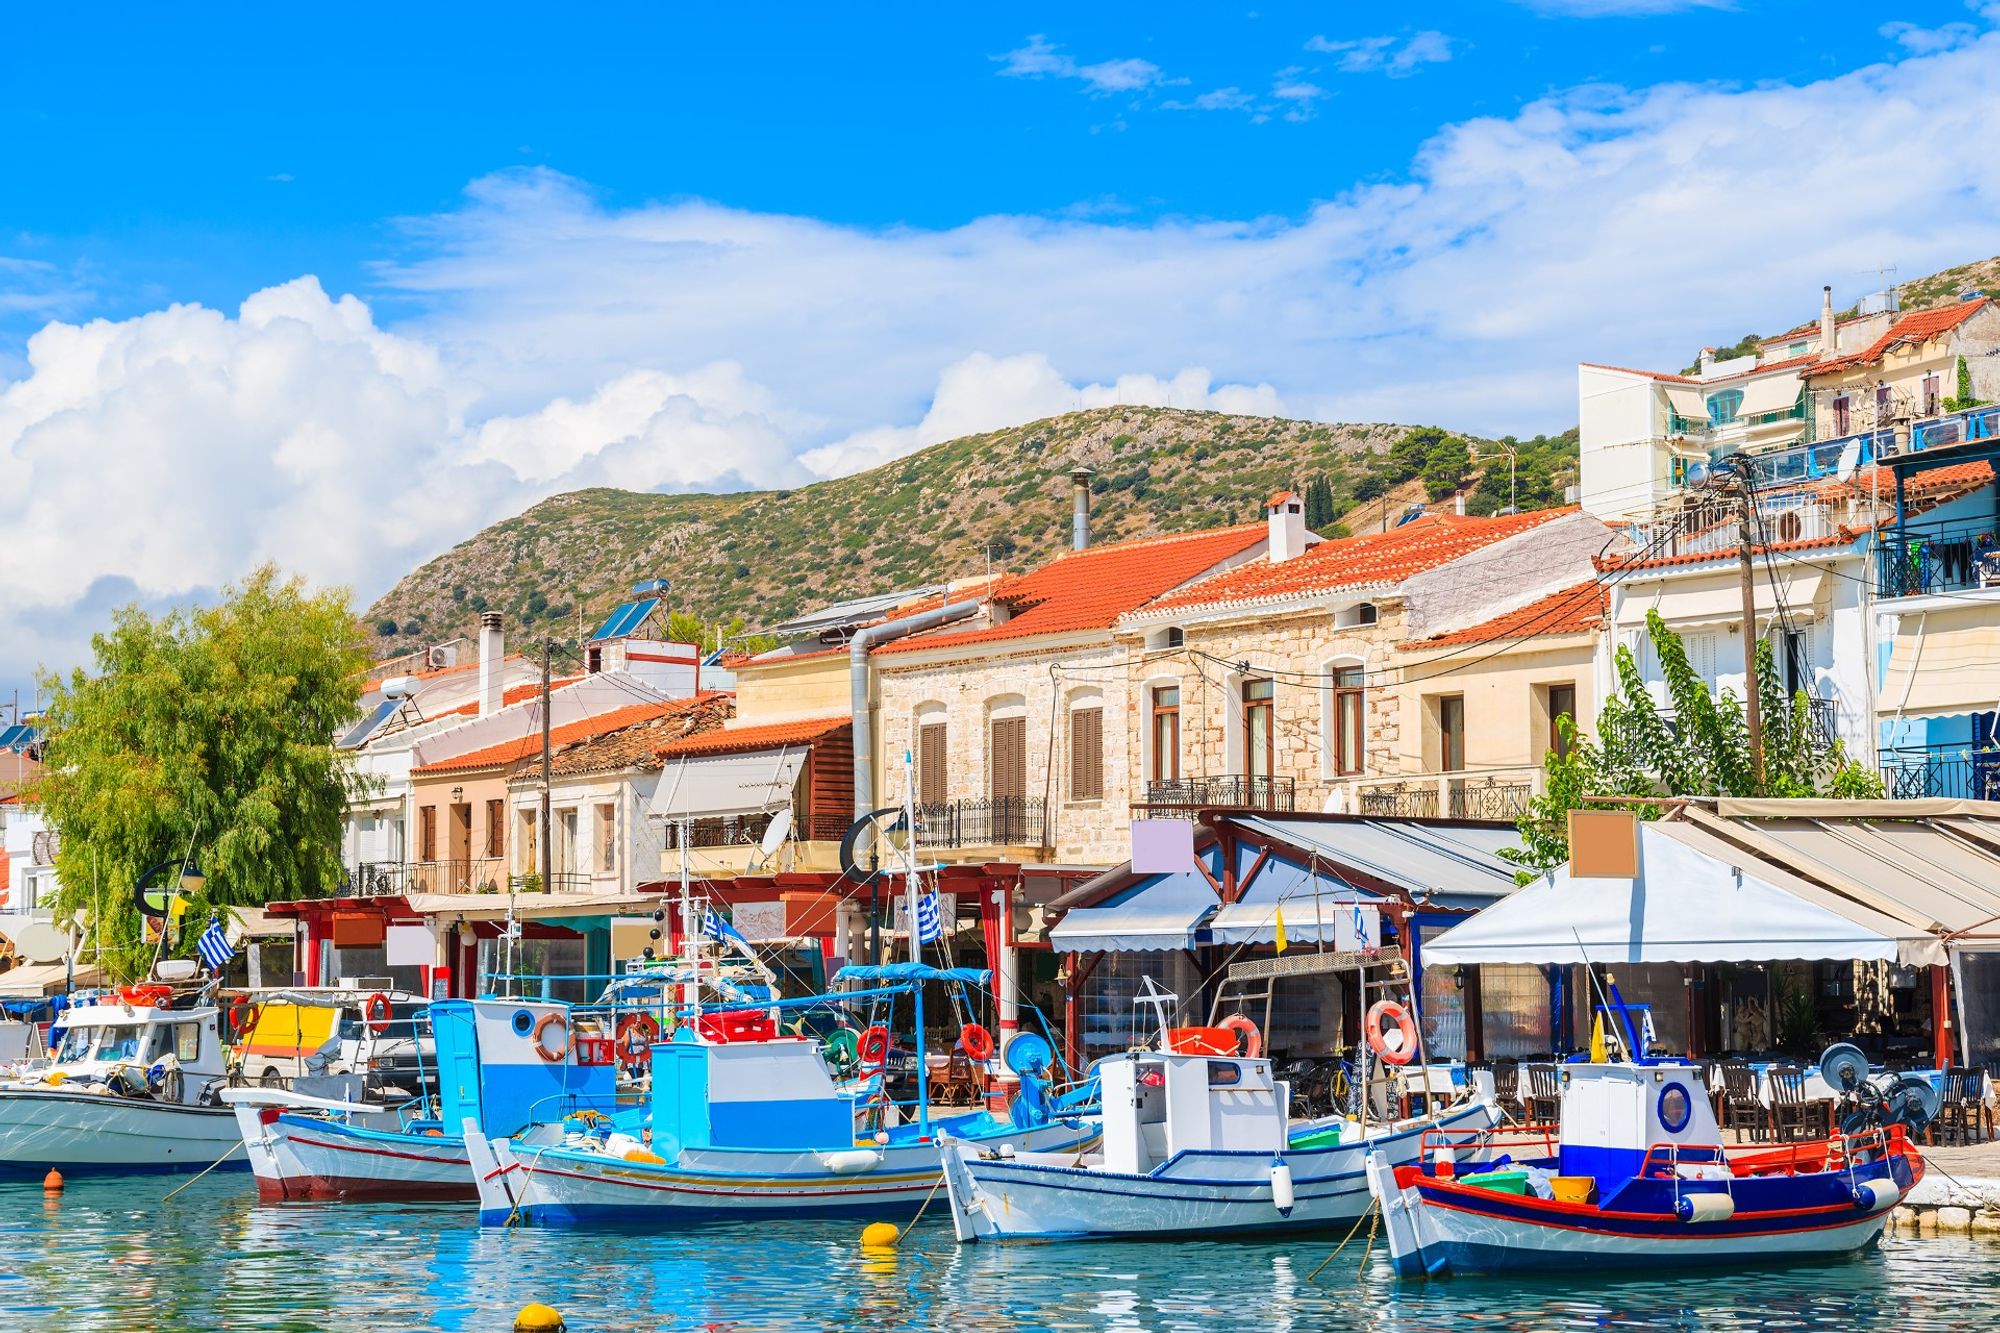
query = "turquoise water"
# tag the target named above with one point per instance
(111, 1255)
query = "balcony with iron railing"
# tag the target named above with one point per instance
(1714, 528)
(983, 821)
(1922, 559)
(1831, 456)
(375, 879)
(1497, 793)
(1957, 772)
(1226, 791)
(749, 830)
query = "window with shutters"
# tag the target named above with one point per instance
(931, 764)
(1086, 754)
(1007, 758)
(1349, 720)
(607, 839)
(1165, 731)
(1561, 704)
(496, 829)
(427, 833)
(1259, 718)
(1451, 733)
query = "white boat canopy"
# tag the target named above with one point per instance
(1693, 902)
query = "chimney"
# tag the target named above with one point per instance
(1705, 364)
(1079, 523)
(1460, 500)
(1826, 329)
(492, 647)
(1288, 526)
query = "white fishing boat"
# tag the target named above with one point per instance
(1198, 1134)
(132, 1086)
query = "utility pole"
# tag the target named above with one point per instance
(548, 850)
(1746, 576)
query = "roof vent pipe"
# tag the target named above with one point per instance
(861, 698)
(492, 648)
(1079, 523)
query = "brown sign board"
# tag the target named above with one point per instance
(1603, 844)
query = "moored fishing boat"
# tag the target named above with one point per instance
(132, 1086)
(1636, 1176)
(746, 1121)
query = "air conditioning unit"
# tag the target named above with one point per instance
(442, 656)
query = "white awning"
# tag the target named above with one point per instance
(1689, 402)
(1779, 393)
(1715, 598)
(712, 786)
(1688, 905)
(1161, 915)
(1943, 663)
(1343, 923)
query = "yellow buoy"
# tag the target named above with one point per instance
(52, 1183)
(538, 1318)
(880, 1236)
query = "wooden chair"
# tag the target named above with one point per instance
(1963, 1117)
(1793, 1115)
(1742, 1109)
(1507, 1088)
(1544, 1095)
(958, 1085)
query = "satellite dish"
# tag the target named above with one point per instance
(1843, 1066)
(774, 836)
(40, 942)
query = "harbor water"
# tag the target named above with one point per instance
(110, 1254)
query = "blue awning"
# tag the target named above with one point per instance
(1160, 915)
(971, 976)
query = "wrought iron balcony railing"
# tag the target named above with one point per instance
(749, 830)
(1231, 791)
(1453, 798)
(375, 879)
(1918, 559)
(1960, 772)
(990, 821)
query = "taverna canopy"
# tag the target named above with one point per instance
(1693, 902)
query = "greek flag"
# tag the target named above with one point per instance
(930, 921)
(213, 946)
(713, 926)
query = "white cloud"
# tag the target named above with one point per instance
(1042, 59)
(1398, 57)
(1926, 41)
(565, 342)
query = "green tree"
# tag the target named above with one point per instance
(1962, 399)
(1441, 459)
(204, 733)
(1700, 747)
(1319, 504)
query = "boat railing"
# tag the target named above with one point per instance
(1440, 1148)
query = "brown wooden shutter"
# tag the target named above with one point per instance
(931, 764)
(1086, 754)
(1007, 774)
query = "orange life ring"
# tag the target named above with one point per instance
(637, 1054)
(377, 1012)
(1405, 1049)
(243, 1015)
(553, 1018)
(977, 1041)
(874, 1047)
(151, 995)
(1250, 1043)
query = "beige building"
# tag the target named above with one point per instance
(1279, 685)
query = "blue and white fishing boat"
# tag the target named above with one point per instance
(747, 1121)
(1636, 1176)
(503, 1064)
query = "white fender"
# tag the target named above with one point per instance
(1874, 1195)
(1281, 1188)
(1716, 1207)
(851, 1162)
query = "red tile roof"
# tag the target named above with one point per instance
(1090, 589)
(1957, 478)
(1575, 610)
(765, 736)
(1367, 561)
(530, 746)
(1920, 327)
(1841, 537)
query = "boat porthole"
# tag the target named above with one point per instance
(1675, 1108)
(524, 1022)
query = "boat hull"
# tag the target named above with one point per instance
(998, 1198)
(298, 1157)
(1435, 1228)
(557, 1186)
(80, 1133)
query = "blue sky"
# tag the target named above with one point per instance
(336, 287)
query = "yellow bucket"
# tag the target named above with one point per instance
(1574, 1189)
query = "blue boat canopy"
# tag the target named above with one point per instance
(972, 976)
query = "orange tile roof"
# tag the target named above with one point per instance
(530, 746)
(766, 736)
(1578, 609)
(1367, 561)
(1920, 327)
(1090, 589)
(1959, 478)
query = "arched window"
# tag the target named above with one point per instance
(1722, 406)
(1345, 704)
(1007, 748)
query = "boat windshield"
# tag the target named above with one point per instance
(101, 1043)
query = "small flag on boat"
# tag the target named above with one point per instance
(930, 921)
(713, 926)
(213, 946)
(1598, 1053)
(1280, 939)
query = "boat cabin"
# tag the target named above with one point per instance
(120, 1045)
(1613, 1115)
(509, 1064)
(765, 1092)
(1158, 1104)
